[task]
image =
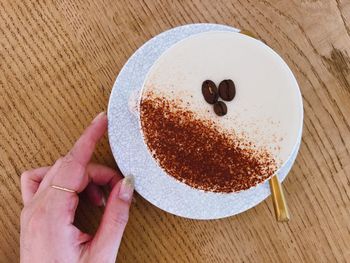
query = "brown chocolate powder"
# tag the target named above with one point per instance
(198, 153)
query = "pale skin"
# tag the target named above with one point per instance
(47, 230)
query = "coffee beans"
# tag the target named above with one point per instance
(220, 108)
(210, 91)
(227, 90)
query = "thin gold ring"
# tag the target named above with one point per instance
(63, 189)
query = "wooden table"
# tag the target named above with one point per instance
(58, 62)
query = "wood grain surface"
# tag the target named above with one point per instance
(58, 62)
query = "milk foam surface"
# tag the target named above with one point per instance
(266, 109)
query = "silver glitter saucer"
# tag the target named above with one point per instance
(133, 157)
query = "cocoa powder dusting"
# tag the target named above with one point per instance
(197, 152)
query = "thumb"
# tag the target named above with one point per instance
(106, 242)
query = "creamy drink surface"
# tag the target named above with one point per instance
(233, 152)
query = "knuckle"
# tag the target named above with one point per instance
(25, 178)
(120, 219)
(25, 175)
(70, 159)
(67, 160)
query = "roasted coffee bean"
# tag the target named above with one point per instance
(220, 108)
(227, 89)
(210, 91)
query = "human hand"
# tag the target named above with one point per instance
(47, 230)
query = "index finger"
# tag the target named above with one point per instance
(69, 171)
(30, 181)
(84, 147)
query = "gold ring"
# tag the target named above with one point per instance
(63, 189)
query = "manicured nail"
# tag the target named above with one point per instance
(99, 116)
(127, 188)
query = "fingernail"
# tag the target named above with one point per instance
(126, 188)
(99, 116)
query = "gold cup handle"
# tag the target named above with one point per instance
(279, 201)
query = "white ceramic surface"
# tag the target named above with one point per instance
(133, 157)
